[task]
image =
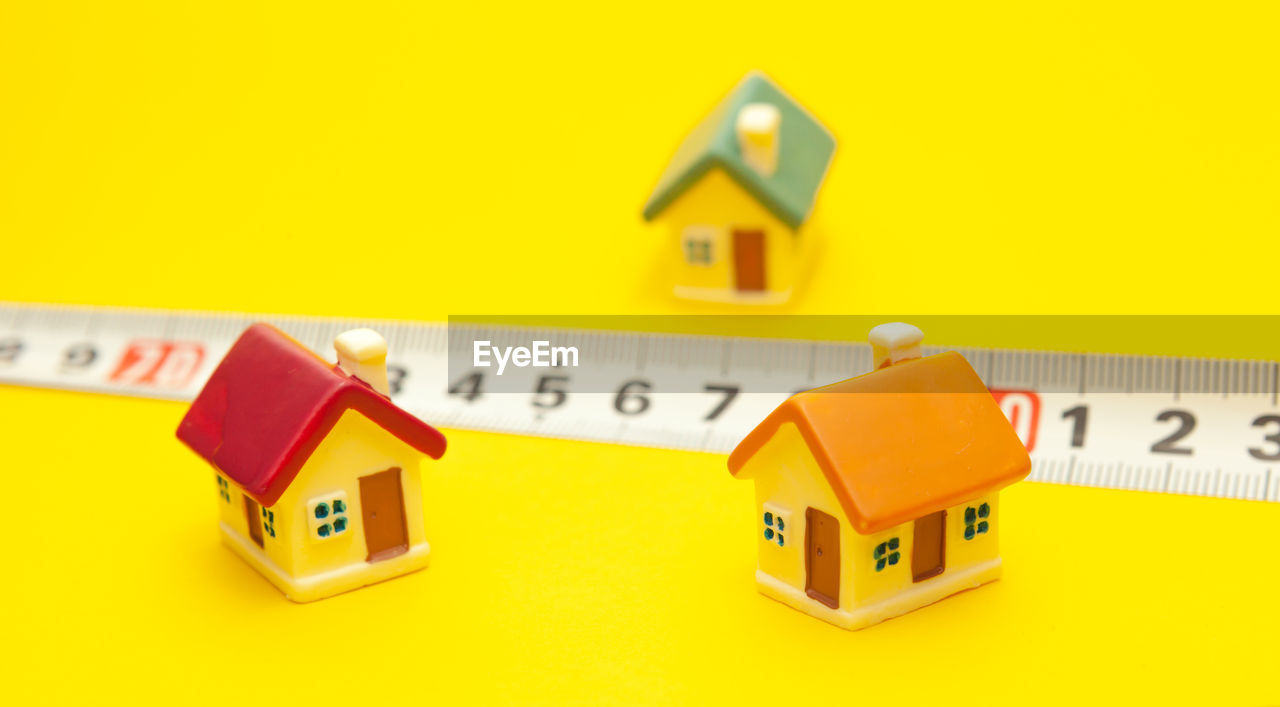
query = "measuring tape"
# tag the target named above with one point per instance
(1208, 427)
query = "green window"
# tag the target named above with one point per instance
(775, 527)
(697, 245)
(886, 554)
(331, 516)
(224, 489)
(697, 252)
(976, 521)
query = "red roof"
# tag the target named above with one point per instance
(270, 403)
(901, 442)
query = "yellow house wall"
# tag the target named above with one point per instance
(870, 585)
(355, 447)
(717, 203)
(788, 480)
(232, 513)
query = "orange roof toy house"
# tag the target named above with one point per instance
(880, 494)
(317, 470)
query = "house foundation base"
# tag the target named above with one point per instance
(325, 584)
(874, 612)
(717, 294)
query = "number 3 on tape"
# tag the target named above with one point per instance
(158, 363)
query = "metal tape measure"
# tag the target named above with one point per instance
(1207, 427)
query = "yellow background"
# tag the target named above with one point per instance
(421, 160)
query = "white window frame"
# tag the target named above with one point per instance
(699, 234)
(780, 524)
(330, 515)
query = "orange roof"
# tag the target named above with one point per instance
(901, 442)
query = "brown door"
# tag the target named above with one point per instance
(382, 508)
(822, 557)
(748, 260)
(253, 518)
(929, 546)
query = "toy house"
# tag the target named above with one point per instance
(737, 193)
(880, 494)
(317, 470)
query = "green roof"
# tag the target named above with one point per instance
(804, 151)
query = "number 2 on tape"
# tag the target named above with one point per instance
(158, 363)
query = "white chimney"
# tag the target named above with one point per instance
(894, 343)
(757, 129)
(362, 354)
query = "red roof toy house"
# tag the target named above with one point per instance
(317, 470)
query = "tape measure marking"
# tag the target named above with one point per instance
(1208, 427)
